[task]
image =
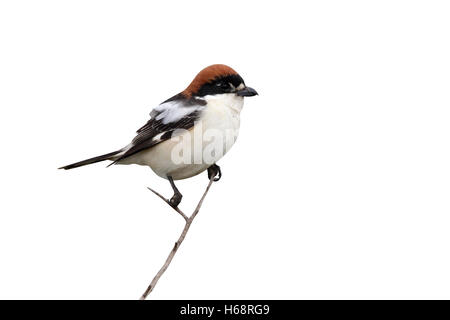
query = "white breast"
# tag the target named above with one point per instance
(222, 116)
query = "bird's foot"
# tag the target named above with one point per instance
(214, 172)
(175, 200)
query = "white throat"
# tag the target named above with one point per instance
(227, 101)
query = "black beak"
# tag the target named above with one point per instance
(247, 92)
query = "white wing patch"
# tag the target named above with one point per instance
(174, 111)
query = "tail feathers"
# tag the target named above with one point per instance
(90, 161)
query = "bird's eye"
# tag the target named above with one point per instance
(223, 85)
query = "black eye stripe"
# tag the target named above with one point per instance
(225, 84)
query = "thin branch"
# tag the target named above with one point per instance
(180, 239)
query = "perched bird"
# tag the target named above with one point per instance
(188, 133)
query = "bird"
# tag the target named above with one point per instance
(189, 132)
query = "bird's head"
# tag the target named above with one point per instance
(218, 79)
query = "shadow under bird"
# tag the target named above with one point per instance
(211, 103)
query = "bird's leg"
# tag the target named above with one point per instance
(214, 171)
(176, 198)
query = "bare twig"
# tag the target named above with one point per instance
(180, 239)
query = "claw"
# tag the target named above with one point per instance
(214, 171)
(175, 200)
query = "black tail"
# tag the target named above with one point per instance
(91, 160)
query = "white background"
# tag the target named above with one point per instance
(338, 186)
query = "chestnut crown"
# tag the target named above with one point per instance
(216, 79)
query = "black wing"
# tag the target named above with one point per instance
(158, 129)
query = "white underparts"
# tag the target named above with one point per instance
(192, 151)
